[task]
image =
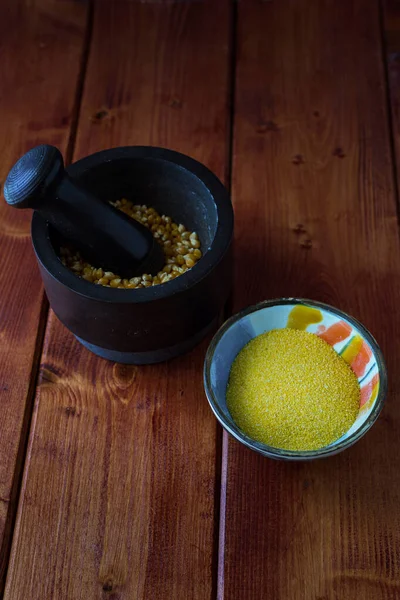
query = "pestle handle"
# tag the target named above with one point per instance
(103, 234)
(33, 177)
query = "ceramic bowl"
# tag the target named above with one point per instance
(345, 334)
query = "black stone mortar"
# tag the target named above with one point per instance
(149, 325)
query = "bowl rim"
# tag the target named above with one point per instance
(279, 453)
(49, 260)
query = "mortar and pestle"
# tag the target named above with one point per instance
(137, 326)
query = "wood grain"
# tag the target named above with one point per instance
(316, 217)
(118, 493)
(391, 24)
(37, 101)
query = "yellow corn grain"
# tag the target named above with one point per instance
(115, 282)
(289, 389)
(181, 249)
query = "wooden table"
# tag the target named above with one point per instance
(116, 483)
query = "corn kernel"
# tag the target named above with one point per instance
(190, 260)
(115, 282)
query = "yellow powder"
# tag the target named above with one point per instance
(290, 389)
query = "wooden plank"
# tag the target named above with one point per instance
(118, 496)
(37, 101)
(391, 23)
(316, 217)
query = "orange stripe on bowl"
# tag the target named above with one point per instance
(336, 333)
(360, 362)
(369, 390)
